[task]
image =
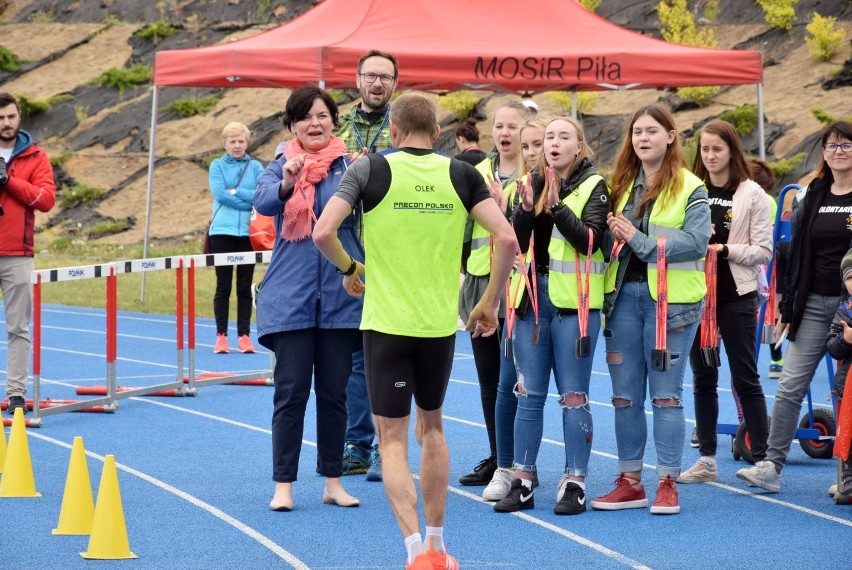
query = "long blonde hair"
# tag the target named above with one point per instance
(627, 164)
(585, 152)
(538, 122)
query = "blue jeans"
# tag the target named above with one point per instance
(507, 406)
(359, 428)
(630, 336)
(556, 350)
(803, 356)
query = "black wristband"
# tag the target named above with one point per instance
(724, 252)
(351, 269)
(556, 207)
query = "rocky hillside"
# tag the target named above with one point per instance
(98, 135)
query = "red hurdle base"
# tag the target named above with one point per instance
(102, 391)
(207, 375)
(44, 404)
(7, 422)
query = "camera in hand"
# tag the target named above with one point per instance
(4, 177)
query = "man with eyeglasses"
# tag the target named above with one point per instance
(366, 129)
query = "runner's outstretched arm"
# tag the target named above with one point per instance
(326, 240)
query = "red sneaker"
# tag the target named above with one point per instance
(624, 496)
(221, 346)
(666, 502)
(441, 561)
(421, 562)
(245, 345)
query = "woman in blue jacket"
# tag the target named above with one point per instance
(303, 314)
(233, 178)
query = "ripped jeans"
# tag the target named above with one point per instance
(555, 351)
(630, 335)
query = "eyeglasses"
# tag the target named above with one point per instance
(832, 147)
(371, 78)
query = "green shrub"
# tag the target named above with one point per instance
(591, 5)
(122, 78)
(562, 99)
(191, 107)
(700, 95)
(8, 60)
(107, 228)
(678, 26)
(690, 149)
(744, 118)
(156, 31)
(711, 10)
(459, 103)
(785, 166)
(79, 194)
(59, 159)
(32, 107)
(779, 14)
(823, 116)
(825, 40)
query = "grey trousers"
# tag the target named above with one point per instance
(15, 283)
(801, 360)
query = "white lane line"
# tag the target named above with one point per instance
(221, 515)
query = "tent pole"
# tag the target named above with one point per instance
(760, 128)
(153, 141)
(574, 104)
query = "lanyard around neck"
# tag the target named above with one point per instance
(360, 139)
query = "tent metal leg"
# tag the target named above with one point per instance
(150, 188)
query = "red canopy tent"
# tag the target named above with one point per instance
(445, 45)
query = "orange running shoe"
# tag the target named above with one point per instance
(221, 346)
(441, 561)
(421, 562)
(245, 345)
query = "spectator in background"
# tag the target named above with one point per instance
(762, 173)
(233, 178)
(364, 130)
(821, 237)
(308, 337)
(26, 185)
(467, 141)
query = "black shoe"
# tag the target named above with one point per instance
(16, 402)
(481, 474)
(693, 441)
(519, 499)
(573, 501)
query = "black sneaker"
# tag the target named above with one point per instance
(481, 474)
(573, 501)
(693, 441)
(519, 499)
(16, 402)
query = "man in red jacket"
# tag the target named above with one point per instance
(26, 184)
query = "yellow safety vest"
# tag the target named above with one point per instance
(685, 279)
(479, 261)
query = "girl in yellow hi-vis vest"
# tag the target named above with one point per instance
(656, 201)
(559, 224)
(500, 169)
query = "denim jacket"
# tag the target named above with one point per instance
(689, 243)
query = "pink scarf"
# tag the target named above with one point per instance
(299, 209)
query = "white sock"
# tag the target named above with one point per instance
(527, 483)
(435, 538)
(708, 459)
(581, 484)
(414, 546)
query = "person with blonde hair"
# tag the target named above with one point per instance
(233, 178)
(655, 201)
(560, 220)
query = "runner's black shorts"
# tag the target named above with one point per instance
(399, 367)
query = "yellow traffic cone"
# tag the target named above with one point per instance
(108, 539)
(2, 446)
(78, 508)
(18, 478)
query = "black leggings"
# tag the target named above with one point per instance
(224, 278)
(486, 356)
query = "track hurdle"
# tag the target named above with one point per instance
(110, 394)
(262, 378)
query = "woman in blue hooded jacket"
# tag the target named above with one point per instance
(233, 178)
(303, 314)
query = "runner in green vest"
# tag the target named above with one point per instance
(653, 196)
(562, 216)
(416, 202)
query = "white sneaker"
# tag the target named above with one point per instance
(701, 472)
(832, 490)
(560, 490)
(500, 484)
(763, 475)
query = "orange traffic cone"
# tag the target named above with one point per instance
(108, 539)
(18, 478)
(78, 508)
